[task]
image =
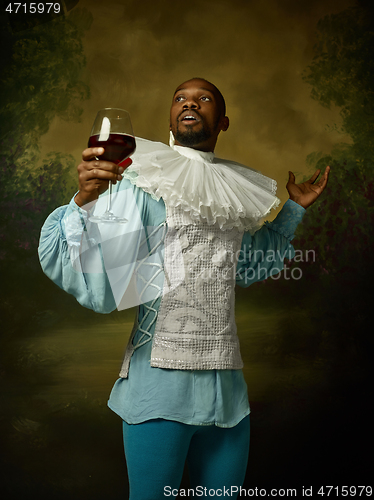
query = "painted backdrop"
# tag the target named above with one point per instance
(298, 81)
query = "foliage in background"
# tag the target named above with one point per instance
(339, 226)
(41, 70)
(342, 73)
(41, 80)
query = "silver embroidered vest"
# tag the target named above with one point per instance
(195, 328)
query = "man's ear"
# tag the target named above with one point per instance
(225, 122)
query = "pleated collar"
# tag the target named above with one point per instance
(212, 190)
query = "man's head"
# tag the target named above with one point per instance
(197, 114)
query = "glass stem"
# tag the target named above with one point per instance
(109, 201)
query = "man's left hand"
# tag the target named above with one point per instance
(306, 193)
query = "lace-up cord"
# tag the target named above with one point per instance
(146, 336)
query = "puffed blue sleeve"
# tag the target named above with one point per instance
(92, 290)
(262, 254)
(78, 255)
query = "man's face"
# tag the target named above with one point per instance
(197, 115)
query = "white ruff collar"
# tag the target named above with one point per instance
(210, 189)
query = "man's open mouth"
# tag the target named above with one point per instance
(189, 118)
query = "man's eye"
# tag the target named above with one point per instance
(205, 98)
(179, 98)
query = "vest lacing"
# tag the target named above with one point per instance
(146, 335)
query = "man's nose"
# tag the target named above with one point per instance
(191, 103)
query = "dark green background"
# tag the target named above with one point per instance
(306, 344)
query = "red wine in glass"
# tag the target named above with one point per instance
(118, 147)
(112, 130)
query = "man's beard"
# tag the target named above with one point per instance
(190, 137)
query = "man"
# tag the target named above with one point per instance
(181, 392)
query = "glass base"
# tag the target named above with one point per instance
(107, 217)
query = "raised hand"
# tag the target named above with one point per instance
(307, 192)
(94, 175)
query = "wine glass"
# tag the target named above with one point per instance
(112, 130)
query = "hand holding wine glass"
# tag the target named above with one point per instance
(111, 142)
(94, 176)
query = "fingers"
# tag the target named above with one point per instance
(94, 174)
(314, 176)
(104, 171)
(91, 153)
(291, 177)
(92, 167)
(100, 170)
(323, 182)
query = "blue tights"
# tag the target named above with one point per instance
(156, 452)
